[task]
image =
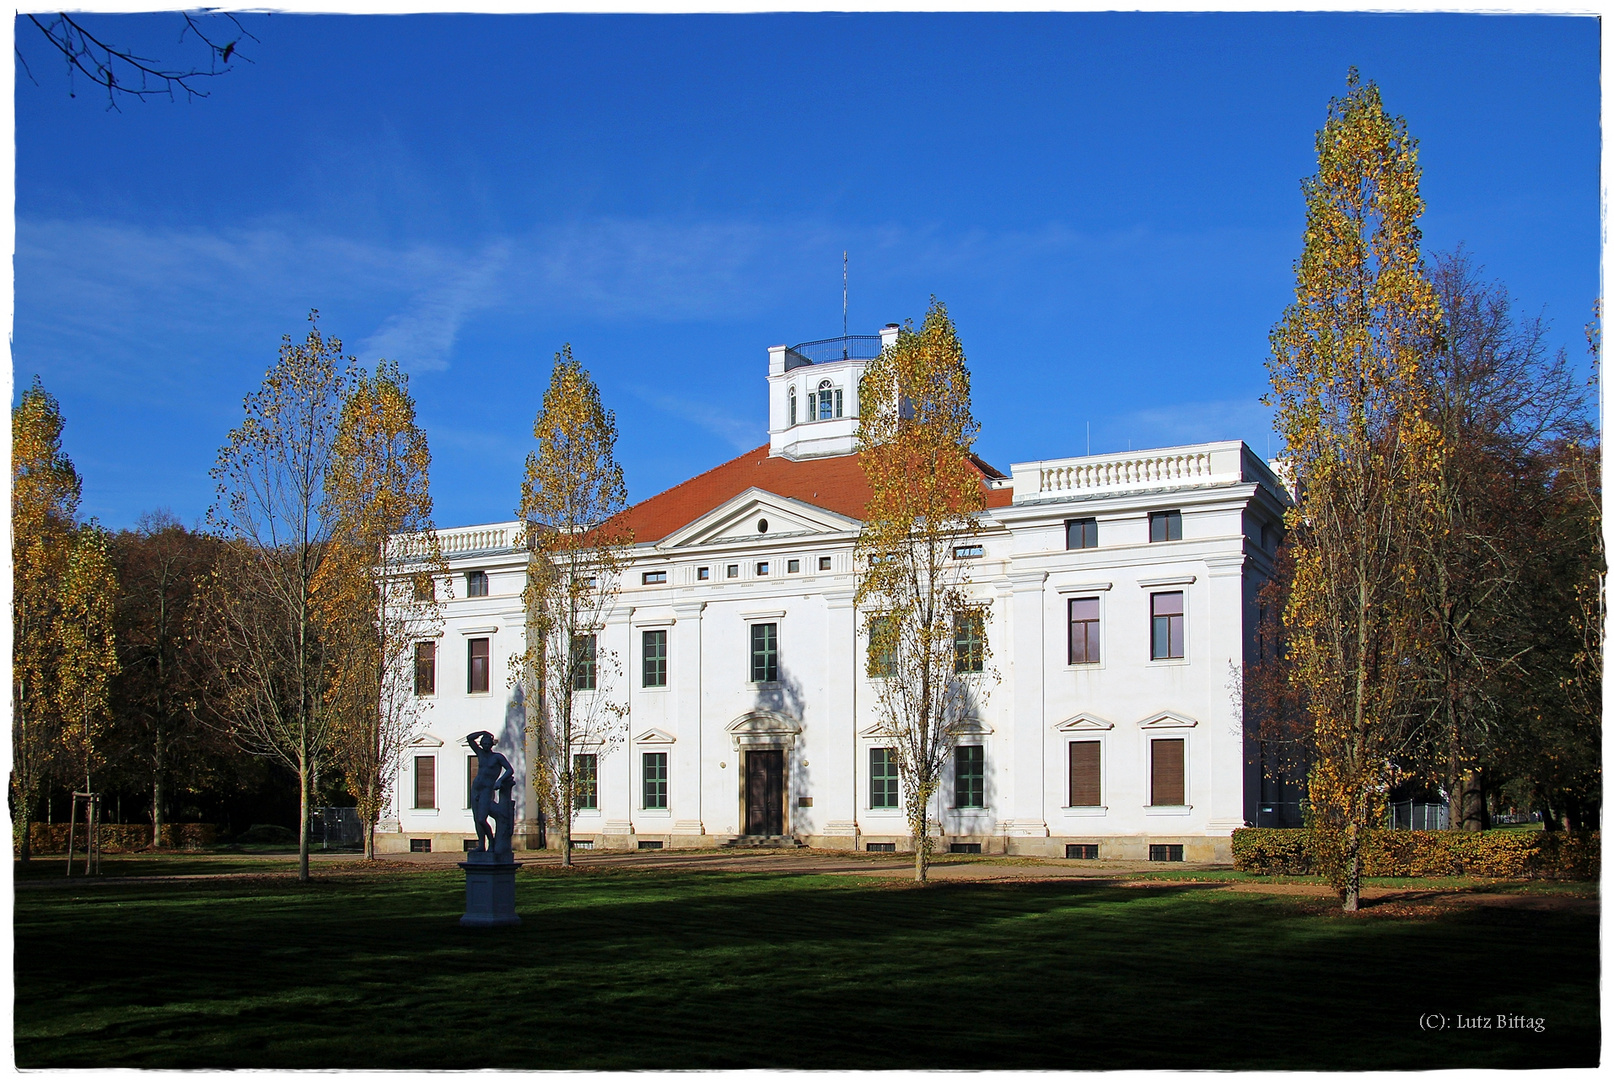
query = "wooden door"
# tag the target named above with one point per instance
(764, 792)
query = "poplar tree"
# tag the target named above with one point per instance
(377, 587)
(1352, 406)
(44, 499)
(927, 643)
(87, 657)
(571, 495)
(270, 511)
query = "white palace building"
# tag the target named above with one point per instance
(1120, 598)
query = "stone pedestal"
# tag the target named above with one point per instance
(490, 891)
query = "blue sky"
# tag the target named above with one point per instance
(1108, 203)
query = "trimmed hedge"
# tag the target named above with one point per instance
(120, 839)
(1503, 853)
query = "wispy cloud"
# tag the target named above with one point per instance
(421, 336)
(740, 434)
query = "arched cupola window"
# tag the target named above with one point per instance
(792, 406)
(829, 401)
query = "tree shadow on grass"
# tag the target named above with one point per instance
(623, 970)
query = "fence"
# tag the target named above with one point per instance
(1419, 815)
(335, 827)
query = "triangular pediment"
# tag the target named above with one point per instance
(425, 740)
(740, 520)
(1085, 722)
(655, 737)
(1167, 720)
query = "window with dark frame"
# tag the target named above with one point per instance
(655, 781)
(762, 569)
(1165, 525)
(1084, 774)
(425, 668)
(1084, 613)
(653, 577)
(472, 767)
(764, 652)
(882, 659)
(476, 666)
(793, 566)
(1081, 851)
(792, 406)
(476, 583)
(586, 781)
(969, 777)
(969, 642)
(1165, 853)
(654, 658)
(968, 551)
(703, 573)
(1166, 777)
(882, 778)
(425, 783)
(584, 662)
(823, 562)
(1081, 533)
(734, 570)
(1166, 626)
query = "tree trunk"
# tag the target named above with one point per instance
(564, 816)
(157, 791)
(25, 810)
(369, 839)
(1473, 801)
(302, 818)
(1351, 888)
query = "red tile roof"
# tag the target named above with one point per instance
(835, 484)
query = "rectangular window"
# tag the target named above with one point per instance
(425, 667)
(655, 658)
(812, 407)
(762, 569)
(878, 846)
(1165, 617)
(586, 781)
(476, 666)
(969, 642)
(764, 652)
(425, 783)
(651, 845)
(792, 408)
(963, 849)
(733, 569)
(882, 647)
(1084, 774)
(969, 777)
(1081, 851)
(1166, 772)
(882, 779)
(655, 781)
(1084, 630)
(476, 583)
(793, 566)
(826, 406)
(823, 562)
(420, 845)
(584, 668)
(837, 404)
(703, 573)
(654, 577)
(1081, 533)
(1165, 853)
(1166, 525)
(968, 551)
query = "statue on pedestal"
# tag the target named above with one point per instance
(492, 796)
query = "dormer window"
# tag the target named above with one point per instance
(792, 406)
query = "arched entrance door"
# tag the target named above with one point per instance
(764, 741)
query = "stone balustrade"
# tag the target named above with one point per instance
(1204, 465)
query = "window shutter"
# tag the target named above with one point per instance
(425, 783)
(1166, 772)
(1084, 776)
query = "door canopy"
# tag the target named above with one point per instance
(762, 730)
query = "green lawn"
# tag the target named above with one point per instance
(683, 969)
